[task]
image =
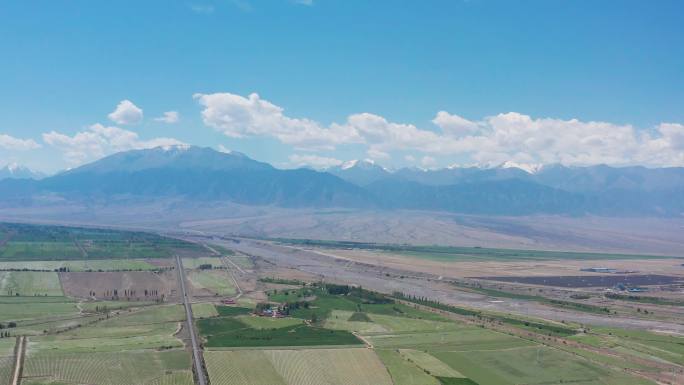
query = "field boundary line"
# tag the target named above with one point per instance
(232, 276)
(19, 350)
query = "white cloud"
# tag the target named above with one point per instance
(428, 161)
(169, 117)
(99, 141)
(454, 125)
(11, 143)
(126, 113)
(237, 116)
(314, 161)
(375, 153)
(410, 158)
(493, 140)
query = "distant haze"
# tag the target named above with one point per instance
(195, 174)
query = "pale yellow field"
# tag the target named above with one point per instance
(357, 366)
(429, 363)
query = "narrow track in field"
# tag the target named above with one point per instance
(196, 351)
(19, 360)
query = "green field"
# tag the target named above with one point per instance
(194, 263)
(217, 282)
(232, 310)
(73, 342)
(404, 372)
(640, 342)
(30, 283)
(204, 310)
(232, 332)
(241, 260)
(26, 242)
(530, 365)
(81, 265)
(429, 363)
(255, 322)
(116, 368)
(131, 346)
(330, 335)
(6, 360)
(13, 310)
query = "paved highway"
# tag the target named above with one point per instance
(196, 352)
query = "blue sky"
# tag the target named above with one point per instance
(575, 82)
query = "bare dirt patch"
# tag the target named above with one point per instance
(591, 281)
(462, 269)
(138, 285)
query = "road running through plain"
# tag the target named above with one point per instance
(196, 352)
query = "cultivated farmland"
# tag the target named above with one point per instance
(211, 283)
(116, 326)
(297, 367)
(29, 283)
(135, 285)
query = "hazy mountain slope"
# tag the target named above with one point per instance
(16, 171)
(361, 172)
(200, 174)
(195, 176)
(505, 197)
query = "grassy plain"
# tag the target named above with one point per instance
(216, 282)
(33, 310)
(204, 310)
(81, 265)
(26, 242)
(532, 364)
(194, 263)
(404, 372)
(639, 342)
(30, 283)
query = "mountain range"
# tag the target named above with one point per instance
(15, 171)
(197, 174)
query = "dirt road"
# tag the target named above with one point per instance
(196, 351)
(19, 360)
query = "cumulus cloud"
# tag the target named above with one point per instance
(237, 116)
(428, 161)
(375, 153)
(169, 117)
(98, 141)
(492, 140)
(8, 142)
(313, 161)
(126, 113)
(454, 125)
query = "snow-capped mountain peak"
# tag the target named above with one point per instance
(530, 168)
(17, 171)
